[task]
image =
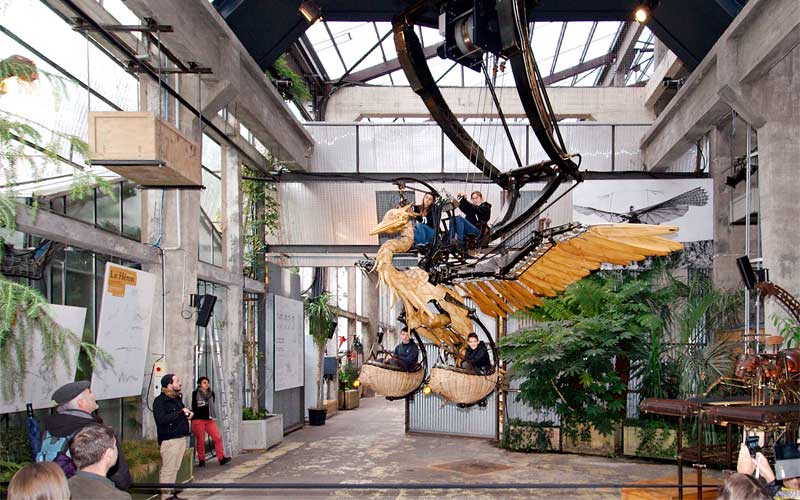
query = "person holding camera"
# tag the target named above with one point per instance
(172, 424)
(787, 487)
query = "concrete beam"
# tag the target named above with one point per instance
(608, 105)
(667, 67)
(763, 33)
(82, 235)
(200, 34)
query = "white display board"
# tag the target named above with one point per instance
(123, 331)
(289, 346)
(41, 379)
(691, 212)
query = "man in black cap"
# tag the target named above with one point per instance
(172, 424)
(76, 405)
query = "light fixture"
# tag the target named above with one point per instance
(310, 12)
(356, 383)
(642, 13)
(426, 390)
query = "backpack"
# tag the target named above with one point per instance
(56, 449)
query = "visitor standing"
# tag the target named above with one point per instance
(75, 410)
(39, 481)
(205, 414)
(172, 426)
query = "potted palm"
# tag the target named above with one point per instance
(321, 316)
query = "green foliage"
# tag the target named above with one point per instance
(788, 329)
(249, 414)
(320, 313)
(657, 438)
(15, 445)
(22, 308)
(347, 375)
(140, 452)
(574, 358)
(528, 437)
(299, 90)
(262, 216)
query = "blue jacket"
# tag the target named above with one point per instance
(407, 354)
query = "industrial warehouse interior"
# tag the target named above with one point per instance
(399, 249)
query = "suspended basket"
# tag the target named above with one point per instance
(390, 381)
(28, 263)
(462, 386)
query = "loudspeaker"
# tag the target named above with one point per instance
(206, 309)
(746, 272)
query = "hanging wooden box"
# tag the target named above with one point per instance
(144, 149)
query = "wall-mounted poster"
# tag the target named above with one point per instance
(41, 379)
(685, 203)
(123, 331)
(289, 347)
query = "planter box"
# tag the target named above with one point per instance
(332, 405)
(530, 438)
(261, 434)
(349, 400)
(144, 149)
(659, 443)
(597, 444)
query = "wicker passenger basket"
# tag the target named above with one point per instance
(461, 387)
(389, 381)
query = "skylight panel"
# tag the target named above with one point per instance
(543, 44)
(572, 46)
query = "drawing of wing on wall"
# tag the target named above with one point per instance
(659, 213)
(609, 216)
(670, 209)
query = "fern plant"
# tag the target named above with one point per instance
(22, 308)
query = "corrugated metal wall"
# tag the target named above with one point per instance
(432, 415)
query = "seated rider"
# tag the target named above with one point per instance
(405, 354)
(424, 230)
(477, 213)
(476, 356)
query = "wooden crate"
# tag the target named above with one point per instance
(144, 149)
(689, 478)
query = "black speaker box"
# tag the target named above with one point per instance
(746, 272)
(206, 309)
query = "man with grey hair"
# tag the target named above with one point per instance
(75, 406)
(94, 451)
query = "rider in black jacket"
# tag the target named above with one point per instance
(406, 353)
(476, 356)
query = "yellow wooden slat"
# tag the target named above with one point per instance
(491, 294)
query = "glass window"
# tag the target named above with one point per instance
(131, 211)
(131, 418)
(111, 412)
(108, 209)
(216, 241)
(81, 209)
(205, 252)
(57, 282)
(57, 205)
(79, 291)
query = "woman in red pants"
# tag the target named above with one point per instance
(204, 421)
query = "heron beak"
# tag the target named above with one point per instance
(389, 226)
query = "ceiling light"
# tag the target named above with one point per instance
(641, 14)
(310, 12)
(644, 10)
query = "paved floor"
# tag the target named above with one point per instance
(368, 445)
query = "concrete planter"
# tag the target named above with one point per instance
(349, 399)
(532, 438)
(651, 443)
(261, 434)
(596, 444)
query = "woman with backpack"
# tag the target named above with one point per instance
(204, 421)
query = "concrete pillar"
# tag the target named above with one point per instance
(171, 220)
(778, 151)
(728, 239)
(370, 304)
(232, 253)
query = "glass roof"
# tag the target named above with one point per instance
(346, 47)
